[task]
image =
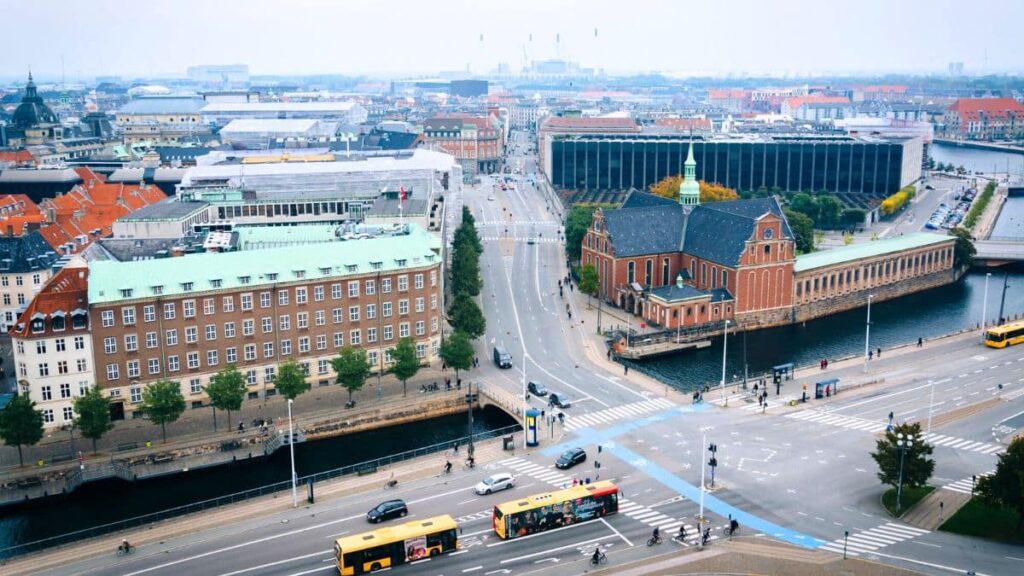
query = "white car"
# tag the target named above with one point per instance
(490, 198)
(495, 482)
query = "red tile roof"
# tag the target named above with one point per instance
(67, 291)
(728, 94)
(18, 157)
(971, 109)
(576, 123)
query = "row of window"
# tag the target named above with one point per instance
(59, 345)
(64, 389)
(133, 368)
(884, 271)
(5, 280)
(128, 316)
(63, 367)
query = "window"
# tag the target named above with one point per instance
(151, 341)
(433, 325)
(134, 368)
(631, 272)
(79, 342)
(302, 320)
(113, 372)
(419, 304)
(353, 313)
(318, 293)
(40, 346)
(267, 324)
(285, 322)
(268, 349)
(304, 345)
(322, 366)
(385, 285)
(47, 413)
(268, 374)
(131, 342)
(81, 364)
(403, 283)
(59, 342)
(154, 365)
(433, 301)
(195, 386)
(353, 289)
(227, 304)
(250, 377)
(433, 278)
(169, 311)
(354, 338)
(171, 337)
(211, 358)
(321, 342)
(192, 359)
(386, 309)
(21, 299)
(173, 364)
(246, 301)
(211, 332)
(191, 334)
(149, 313)
(128, 316)
(417, 281)
(371, 357)
(369, 287)
(286, 347)
(339, 339)
(47, 393)
(69, 413)
(301, 296)
(188, 308)
(403, 330)
(335, 291)
(421, 350)
(208, 308)
(725, 278)
(403, 307)
(282, 297)
(371, 335)
(389, 333)
(421, 327)
(371, 311)
(248, 327)
(186, 286)
(265, 299)
(107, 318)
(320, 318)
(336, 315)
(249, 352)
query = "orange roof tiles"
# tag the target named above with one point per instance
(995, 108)
(728, 94)
(67, 291)
(18, 157)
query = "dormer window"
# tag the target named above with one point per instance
(57, 321)
(78, 319)
(376, 265)
(186, 286)
(272, 276)
(400, 262)
(38, 325)
(216, 283)
(325, 270)
(126, 292)
(157, 289)
(350, 267)
(244, 279)
(299, 273)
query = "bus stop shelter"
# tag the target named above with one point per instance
(826, 388)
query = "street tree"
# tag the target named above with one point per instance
(290, 380)
(21, 424)
(829, 210)
(577, 222)
(464, 315)
(163, 403)
(467, 234)
(917, 467)
(963, 248)
(404, 363)
(457, 352)
(589, 279)
(1004, 488)
(465, 271)
(803, 229)
(92, 415)
(226, 391)
(352, 368)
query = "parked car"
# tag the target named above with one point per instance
(559, 400)
(495, 482)
(537, 389)
(387, 510)
(570, 458)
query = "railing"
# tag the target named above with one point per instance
(48, 543)
(682, 335)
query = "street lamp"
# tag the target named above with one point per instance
(984, 306)
(700, 518)
(725, 343)
(469, 401)
(931, 403)
(903, 444)
(867, 334)
(291, 450)
(713, 462)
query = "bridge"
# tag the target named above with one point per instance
(997, 251)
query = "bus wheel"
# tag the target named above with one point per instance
(374, 567)
(435, 552)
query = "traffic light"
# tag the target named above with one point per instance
(471, 398)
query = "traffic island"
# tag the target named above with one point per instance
(909, 498)
(975, 518)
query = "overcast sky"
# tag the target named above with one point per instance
(399, 37)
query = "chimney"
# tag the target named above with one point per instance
(51, 215)
(10, 230)
(177, 251)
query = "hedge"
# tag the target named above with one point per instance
(897, 201)
(980, 203)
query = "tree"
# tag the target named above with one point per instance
(803, 230)
(667, 187)
(404, 363)
(577, 222)
(829, 209)
(467, 234)
(803, 203)
(852, 217)
(352, 368)
(465, 272)
(226, 391)
(714, 192)
(21, 424)
(92, 415)
(589, 280)
(963, 248)
(464, 315)
(163, 403)
(917, 467)
(457, 352)
(1004, 488)
(290, 380)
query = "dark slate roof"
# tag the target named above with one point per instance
(646, 230)
(640, 199)
(163, 105)
(719, 231)
(754, 209)
(20, 254)
(131, 249)
(167, 209)
(673, 293)
(720, 295)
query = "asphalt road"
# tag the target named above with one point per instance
(802, 475)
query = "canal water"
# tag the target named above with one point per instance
(976, 160)
(97, 503)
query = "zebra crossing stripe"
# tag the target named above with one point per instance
(645, 513)
(911, 529)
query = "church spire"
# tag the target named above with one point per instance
(689, 188)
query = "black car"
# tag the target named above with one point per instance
(559, 400)
(537, 389)
(387, 510)
(570, 458)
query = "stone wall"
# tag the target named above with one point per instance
(843, 302)
(765, 318)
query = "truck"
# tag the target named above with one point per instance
(502, 359)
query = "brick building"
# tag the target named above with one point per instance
(985, 119)
(476, 142)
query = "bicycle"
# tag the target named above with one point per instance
(652, 541)
(122, 551)
(601, 559)
(390, 483)
(469, 465)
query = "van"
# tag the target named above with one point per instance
(502, 359)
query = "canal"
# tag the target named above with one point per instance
(976, 160)
(106, 501)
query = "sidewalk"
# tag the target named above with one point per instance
(929, 515)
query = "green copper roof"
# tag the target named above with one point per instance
(261, 237)
(867, 250)
(111, 281)
(689, 157)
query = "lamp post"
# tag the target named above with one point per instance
(700, 518)
(867, 334)
(931, 403)
(469, 401)
(846, 536)
(903, 445)
(291, 450)
(984, 306)
(713, 461)
(725, 343)
(525, 397)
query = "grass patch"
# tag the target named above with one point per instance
(910, 497)
(977, 519)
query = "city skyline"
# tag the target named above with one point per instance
(375, 39)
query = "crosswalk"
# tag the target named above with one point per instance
(965, 485)
(617, 413)
(668, 525)
(874, 427)
(753, 406)
(481, 223)
(872, 539)
(536, 240)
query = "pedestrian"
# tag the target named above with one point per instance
(609, 353)
(444, 367)
(826, 362)
(920, 342)
(871, 354)
(890, 417)
(821, 363)
(455, 448)
(625, 370)
(879, 353)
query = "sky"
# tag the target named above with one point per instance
(423, 37)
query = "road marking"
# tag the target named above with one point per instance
(576, 545)
(473, 569)
(624, 539)
(322, 568)
(279, 562)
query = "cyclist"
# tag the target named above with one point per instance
(470, 462)
(596, 558)
(447, 467)
(656, 536)
(734, 525)
(125, 546)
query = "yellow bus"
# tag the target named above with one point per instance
(1005, 335)
(395, 545)
(555, 509)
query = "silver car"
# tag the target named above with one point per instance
(495, 482)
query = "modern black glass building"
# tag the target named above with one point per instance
(844, 165)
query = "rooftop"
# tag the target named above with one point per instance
(853, 252)
(167, 209)
(221, 107)
(63, 294)
(418, 159)
(260, 125)
(122, 281)
(163, 105)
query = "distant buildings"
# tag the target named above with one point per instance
(985, 119)
(817, 107)
(162, 119)
(220, 114)
(257, 134)
(223, 76)
(476, 141)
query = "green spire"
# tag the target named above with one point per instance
(689, 189)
